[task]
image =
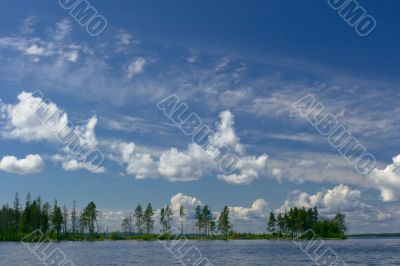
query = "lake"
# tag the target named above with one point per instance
(239, 252)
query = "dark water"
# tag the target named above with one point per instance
(352, 252)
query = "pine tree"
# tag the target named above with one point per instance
(65, 220)
(125, 225)
(163, 220)
(182, 216)
(340, 221)
(57, 219)
(223, 222)
(168, 218)
(74, 219)
(271, 223)
(139, 218)
(148, 218)
(17, 213)
(199, 219)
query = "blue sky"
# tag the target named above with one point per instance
(239, 65)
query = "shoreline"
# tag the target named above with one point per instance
(157, 237)
(161, 238)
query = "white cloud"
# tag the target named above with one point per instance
(27, 25)
(249, 168)
(33, 47)
(300, 137)
(136, 67)
(258, 210)
(339, 198)
(37, 48)
(72, 56)
(63, 28)
(69, 163)
(21, 121)
(225, 134)
(31, 164)
(178, 166)
(37, 119)
(387, 180)
(193, 56)
(189, 204)
(124, 42)
(193, 163)
(222, 64)
(141, 165)
(124, 38)
(232, 98)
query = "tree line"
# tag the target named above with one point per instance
(298, 221)
(54, 221)
(206, 223)
(57, 222)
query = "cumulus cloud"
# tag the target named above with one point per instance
(37, 119)
(194, 162)
(178, 166)
(136, 67)
(257, 211)
(31, 164)
(21, 121)
(189, 204)
(387, 180)
(225, 134)
(141, 165)
(330, 201)
(249, 168)
(69, 163)
(188, 165)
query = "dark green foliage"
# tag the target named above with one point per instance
(224, 224)
(88, 219)
(272, 222)
(204, 220)
(19, 222)
(298, 221)
(56, 220)
(148, 218)
(139, 219)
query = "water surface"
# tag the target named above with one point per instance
(241, 252)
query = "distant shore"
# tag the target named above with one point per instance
(116, 236)
(376, 235)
